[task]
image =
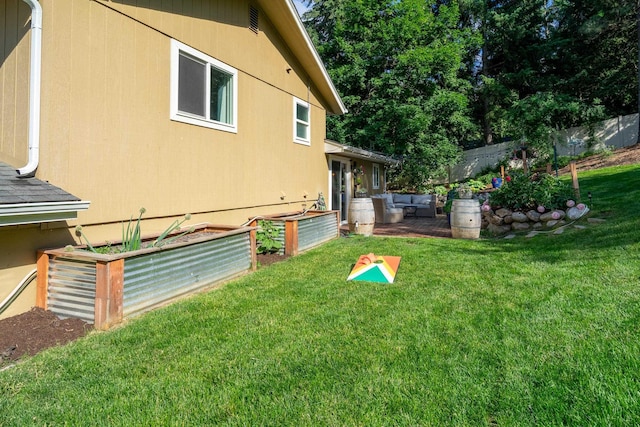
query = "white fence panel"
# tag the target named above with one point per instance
(617, 132)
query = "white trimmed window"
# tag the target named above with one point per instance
(204, 91)
(301, 122)
(375, 171)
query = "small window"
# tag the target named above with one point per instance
(375, 171)
(204, 91)
(301, 122)
(253, 19)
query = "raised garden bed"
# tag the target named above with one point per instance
(301, 231)
(105, 288)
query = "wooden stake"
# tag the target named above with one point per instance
(502, 173)
(549, 170)
(574, 179)
(524, 162)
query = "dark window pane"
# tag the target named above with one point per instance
(191, 86)
(221, 96)
(302, 113)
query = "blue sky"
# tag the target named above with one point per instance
(301, 8)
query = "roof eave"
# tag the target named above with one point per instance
(333, 147)
(285, 17)
(35, 213)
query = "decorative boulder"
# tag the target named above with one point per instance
(575, 213)
(533, 215)
(519, 217)
(498, 230)
(508, 219)
(520, 226)
(547, 216)
(503, 212)
(495, 219)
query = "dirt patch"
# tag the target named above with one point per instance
(268, 259)
(30, 332)
(622, 156)
(36, 330)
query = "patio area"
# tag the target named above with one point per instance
(412, 227)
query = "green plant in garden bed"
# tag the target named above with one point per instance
(266, 237)
(528, 191)
(132, 236)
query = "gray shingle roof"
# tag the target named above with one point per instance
(14, 190)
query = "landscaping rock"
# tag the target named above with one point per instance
(520, 226)
(538, 226)
(559, 231)
(546, 217)
(496, 220)
(533, 215)
(575, 213)
(498, 230)
(519, 217)
(503, 212)
(531, 234)
(510, 236)
(508, 219)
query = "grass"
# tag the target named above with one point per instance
(541, 331)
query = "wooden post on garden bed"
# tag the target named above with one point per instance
(574, 179)
(42, 280)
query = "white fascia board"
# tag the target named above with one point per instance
(35, 213)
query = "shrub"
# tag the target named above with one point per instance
(528, 191)
(266, 237)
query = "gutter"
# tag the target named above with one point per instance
(34, 90)
(33, 213)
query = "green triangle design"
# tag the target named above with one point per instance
(372, 275)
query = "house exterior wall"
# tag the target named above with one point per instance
(14, 80)
(107, 137)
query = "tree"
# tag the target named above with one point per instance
(396, 65)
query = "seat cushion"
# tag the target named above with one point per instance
(404, 199)
(421, 199)
(388, 198)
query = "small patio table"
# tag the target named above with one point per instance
(409, 210)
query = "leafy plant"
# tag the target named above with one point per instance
(131, 238)
(160, 241)
(527, 191)
(266, 237)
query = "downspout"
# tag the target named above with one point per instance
(34, 89)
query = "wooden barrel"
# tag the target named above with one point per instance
(465, 219)
(361, 216)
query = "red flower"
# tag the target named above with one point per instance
(508, 178)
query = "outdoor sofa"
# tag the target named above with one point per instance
(425, 204)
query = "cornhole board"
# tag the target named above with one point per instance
(375, 268)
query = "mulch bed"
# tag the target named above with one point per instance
(37, 329)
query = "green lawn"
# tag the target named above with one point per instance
(542, 331)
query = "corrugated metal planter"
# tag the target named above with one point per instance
(301, 231)
(104, 289)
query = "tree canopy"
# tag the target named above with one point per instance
(422, 78)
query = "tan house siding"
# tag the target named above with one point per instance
(106, 133)
(14, 80)
(117, 111)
